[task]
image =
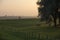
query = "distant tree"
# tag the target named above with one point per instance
(19, 17)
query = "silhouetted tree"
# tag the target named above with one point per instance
(49, 7)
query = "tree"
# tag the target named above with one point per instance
(50, 7)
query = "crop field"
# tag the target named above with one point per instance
(27, 29)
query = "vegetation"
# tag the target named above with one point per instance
(27, 29)
(48, 8)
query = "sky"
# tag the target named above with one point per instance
(18, 8)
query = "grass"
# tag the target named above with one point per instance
(18, 29)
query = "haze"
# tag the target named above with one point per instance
(18, 8)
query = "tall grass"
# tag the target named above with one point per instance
(17, 29)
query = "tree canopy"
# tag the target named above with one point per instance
(49, 8)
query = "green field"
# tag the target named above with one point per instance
(27, 29)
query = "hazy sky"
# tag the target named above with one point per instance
(18, 7)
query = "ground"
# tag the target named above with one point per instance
(27, 29)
